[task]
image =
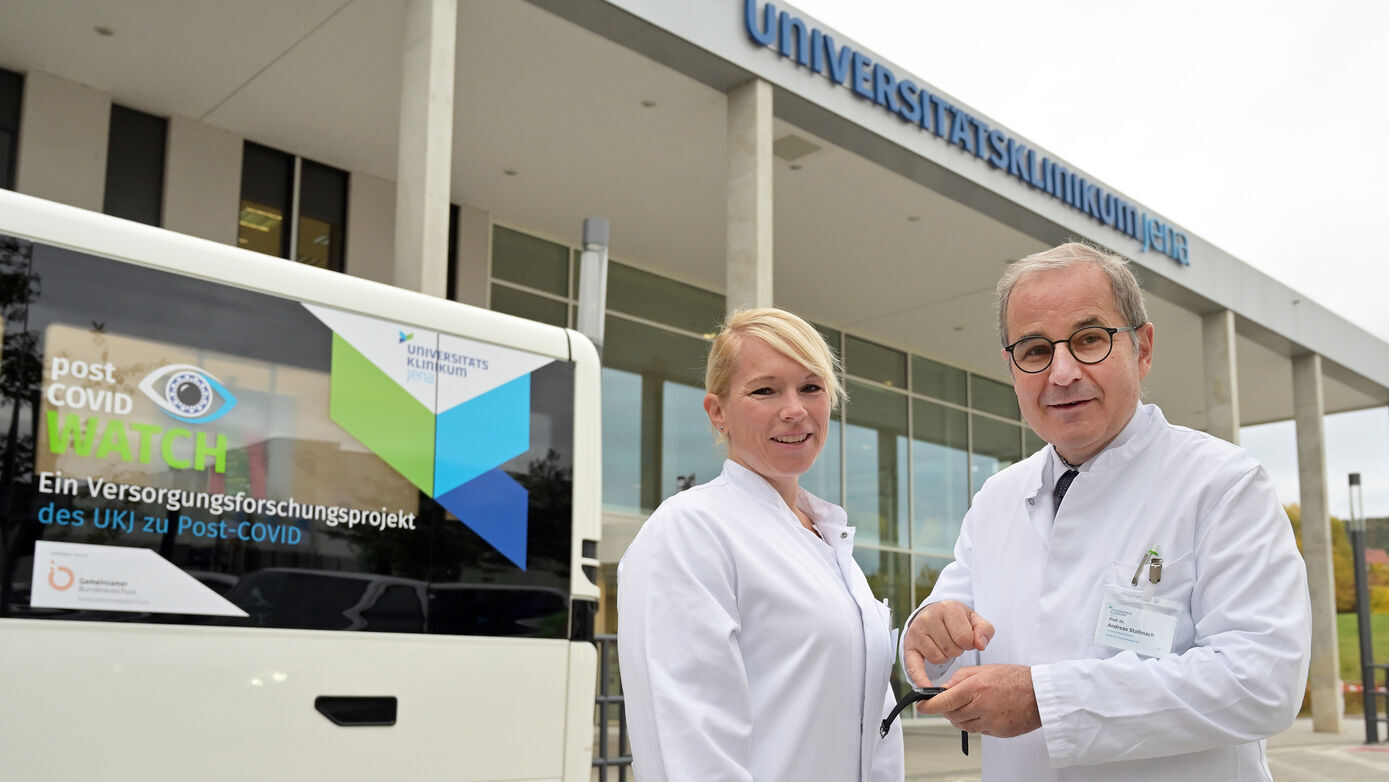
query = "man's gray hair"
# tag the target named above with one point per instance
(1127, 294)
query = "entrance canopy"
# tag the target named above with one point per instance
(569, 108)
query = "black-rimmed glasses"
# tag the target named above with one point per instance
(1089, 345)
(913, 695)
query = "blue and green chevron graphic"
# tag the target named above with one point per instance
(442, 411)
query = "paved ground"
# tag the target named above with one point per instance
(1296, 755)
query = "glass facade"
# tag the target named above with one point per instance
(904, 455)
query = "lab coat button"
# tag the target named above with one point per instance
(843, 535)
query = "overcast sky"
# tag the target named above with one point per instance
(1263, 127)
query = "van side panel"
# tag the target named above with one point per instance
(87, 700)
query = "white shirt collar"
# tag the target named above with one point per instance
(1117, 449)
(828, 516)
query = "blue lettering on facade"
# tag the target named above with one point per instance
(910, 96)
(792, 38)
(1001, 147)
(838, 60)
(885, 88)
(1019, 161)
(959, 130)
(794, 31)
(863, 75)
(981, 134)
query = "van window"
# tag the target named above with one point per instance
(182, 451)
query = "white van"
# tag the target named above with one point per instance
(264, 521)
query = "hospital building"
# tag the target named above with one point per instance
(743, 152)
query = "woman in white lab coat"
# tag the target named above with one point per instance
(750, 644)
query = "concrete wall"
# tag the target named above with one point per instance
(63, 131)
(370, 228)
(202, 180)
(474, 256)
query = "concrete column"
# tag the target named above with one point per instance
(474, 256)
(1222, 378)
(1327, 700)
(64, 130)
(202, 181)
(748, 280)
(425, 155)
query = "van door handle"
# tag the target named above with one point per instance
(356, 710)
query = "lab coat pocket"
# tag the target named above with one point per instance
(1175, 580)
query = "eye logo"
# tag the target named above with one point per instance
(53, 571)
(187, 393)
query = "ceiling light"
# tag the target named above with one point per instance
(796, 166)
(648, 103)
(913, 218)
(791, 147)
(104, 31)
(510, 171)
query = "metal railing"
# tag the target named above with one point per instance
(610, 697)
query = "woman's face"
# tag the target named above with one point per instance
(775, 414)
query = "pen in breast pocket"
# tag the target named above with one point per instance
(1142, 561)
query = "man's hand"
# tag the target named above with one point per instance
(994, 700)
(941, 632)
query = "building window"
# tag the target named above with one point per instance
(530, 262)
(451, 284)
(530, 277)
(876, 454)
(322, 216)
(267, 180)
(913, 454)
(656, 437)
(940, 471)
(875, 362)
(11, 93)
(995, 445)
(658, 299)
(268, 208)
(135, 166)
(938, 381)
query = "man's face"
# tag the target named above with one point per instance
(1078, 408)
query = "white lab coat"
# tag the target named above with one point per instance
(745, 654)
(1239, 662)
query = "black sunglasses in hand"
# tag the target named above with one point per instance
(913, 695)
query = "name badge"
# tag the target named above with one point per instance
(1131, 621)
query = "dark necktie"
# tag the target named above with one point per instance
(1059, 493)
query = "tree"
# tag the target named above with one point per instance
(1342, 564)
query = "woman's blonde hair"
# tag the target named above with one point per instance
(784, 332)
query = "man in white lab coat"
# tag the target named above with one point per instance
(1128, 603)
